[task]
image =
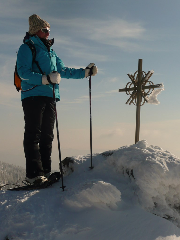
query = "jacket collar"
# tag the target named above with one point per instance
(35, 40)
(47, 42)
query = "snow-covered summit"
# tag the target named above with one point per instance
(131, 193)
(155, 174)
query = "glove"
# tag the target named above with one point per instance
(91, 69)
(52, 78)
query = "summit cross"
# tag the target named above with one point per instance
(138, 89)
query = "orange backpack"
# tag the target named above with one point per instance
(17, 79)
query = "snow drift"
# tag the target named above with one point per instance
(156, 177)
(113, 201)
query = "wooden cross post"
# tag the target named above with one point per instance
(139, 99)
(138, 89)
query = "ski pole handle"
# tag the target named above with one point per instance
(89, 70)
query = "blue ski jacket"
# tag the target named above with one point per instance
(48, 62)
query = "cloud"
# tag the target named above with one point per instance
(77, 100)
(115, 79)
(83, 99)
(78, 49)
(112, 133)
(112, 91)
(110, 31)
(21, 9)
(164, 134)
(98, 29)
(171, 237)
(115, 32)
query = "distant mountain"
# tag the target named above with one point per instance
(11, 174)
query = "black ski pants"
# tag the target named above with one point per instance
(39, 116)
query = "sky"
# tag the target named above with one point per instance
(113, 35)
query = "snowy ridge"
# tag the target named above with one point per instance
(113, 201)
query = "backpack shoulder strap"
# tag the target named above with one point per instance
(33, 50)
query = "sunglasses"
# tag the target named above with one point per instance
(45, 30)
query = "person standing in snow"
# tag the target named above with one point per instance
(38, 102)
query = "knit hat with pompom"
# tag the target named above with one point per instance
(36, 23)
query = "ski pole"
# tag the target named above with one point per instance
(91, 167)
(59, 149)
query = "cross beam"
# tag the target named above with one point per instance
(142, 87)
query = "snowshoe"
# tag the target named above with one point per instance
(53, 178)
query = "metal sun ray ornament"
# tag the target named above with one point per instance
(139, 89)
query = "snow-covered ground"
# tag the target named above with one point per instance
(133, 193)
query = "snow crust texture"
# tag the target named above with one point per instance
(156, 177)
(95, 193)
(152, 99)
